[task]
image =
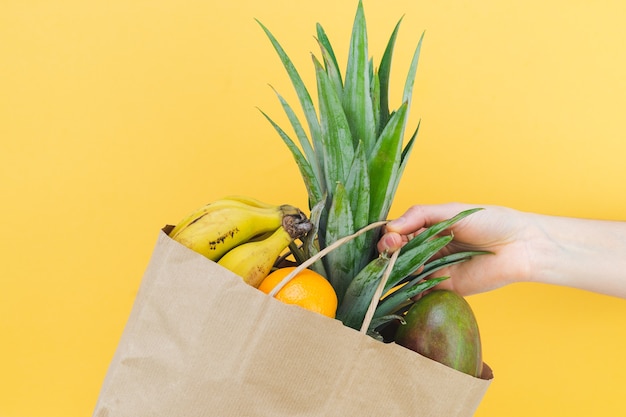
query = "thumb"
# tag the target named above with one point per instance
(390, 242)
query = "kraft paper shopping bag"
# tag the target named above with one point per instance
(201, 342)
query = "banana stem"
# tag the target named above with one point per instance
(323, 253)
(378, 293)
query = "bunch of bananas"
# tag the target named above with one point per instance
(242, 234)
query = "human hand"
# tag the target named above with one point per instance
(499, 230)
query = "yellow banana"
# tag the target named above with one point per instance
(218, 227)
(253, 261)
(195, 215)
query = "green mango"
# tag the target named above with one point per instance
(441, 326)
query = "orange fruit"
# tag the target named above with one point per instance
(307, 289)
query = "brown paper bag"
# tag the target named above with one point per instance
(201, 342)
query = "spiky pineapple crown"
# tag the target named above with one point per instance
(351, 159)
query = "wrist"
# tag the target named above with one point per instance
(579, 253)
(541, 249)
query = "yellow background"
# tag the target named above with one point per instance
(117, 117)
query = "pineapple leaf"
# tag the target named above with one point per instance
(384, 164)
(305, 144)
(307, 172)
(375, 93)
(406, 152)
(436, 265)
(330, 61)
(303, 94)
(410, 79)
(358, 189)
(449, 260)
(411, 260)
(340, 224)
(401, 297)
(394, 181)
(384, 72)
(358, 296)
(379, 321)
(356, 94)
(337, 147)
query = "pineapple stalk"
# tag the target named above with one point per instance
(351, 161)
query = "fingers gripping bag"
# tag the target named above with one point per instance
(201, 342)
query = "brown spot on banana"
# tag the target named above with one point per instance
(221, 238)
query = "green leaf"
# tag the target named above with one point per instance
(336, 137)
(358, 190)
(303, 95)
(375, 93)
(413, 280)
(356, 95)
(410, 79)
(448, 260)
(396, 175)
(400, 298)
(341, 260)
(384, 72)
(306, 171)
(406, 152)
(411, 260)
(379, 321)
(305, 144)
(330, 61)
(358, 296)
(384, 163)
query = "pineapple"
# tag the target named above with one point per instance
(351, 160)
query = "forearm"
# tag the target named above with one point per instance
(580, 253)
